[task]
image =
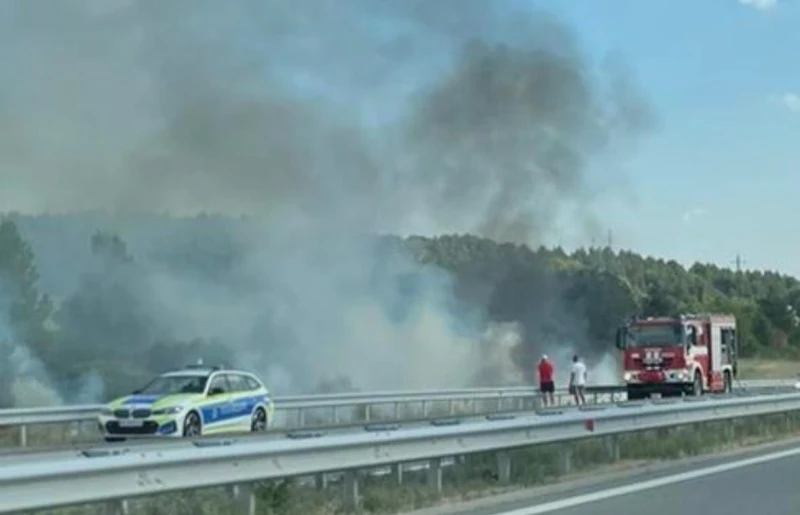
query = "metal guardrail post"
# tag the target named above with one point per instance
(23, 435)
(350, 491)
(435, 474)
(729, 432)
(119, 507)
(245, 498)
(397, 473)
(503, 467)
(611, 443)
(565, 459)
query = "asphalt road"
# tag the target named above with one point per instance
(766, 488)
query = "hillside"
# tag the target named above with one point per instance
(85, 314)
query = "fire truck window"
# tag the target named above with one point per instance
(692, 335)
(646, 335)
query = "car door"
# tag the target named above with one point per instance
(242, 401)
(218, 412)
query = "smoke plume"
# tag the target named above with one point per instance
(325, 122)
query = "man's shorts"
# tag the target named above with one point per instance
(547, 387)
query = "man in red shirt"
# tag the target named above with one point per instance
(546, 385)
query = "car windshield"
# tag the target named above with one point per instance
(646, 335)
(167, 385)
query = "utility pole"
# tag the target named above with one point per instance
(610, 239)
(739, 262)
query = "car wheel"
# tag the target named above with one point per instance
(259, 422)
(192, 427)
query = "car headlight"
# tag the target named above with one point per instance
(168, 411)
(628, 376)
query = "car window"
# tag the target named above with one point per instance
(221, 382)
(237, 382)
(170, 385)
(252, 384)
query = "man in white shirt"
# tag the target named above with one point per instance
(577, 380)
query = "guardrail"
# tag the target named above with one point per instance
(108, 474)
(301, 405)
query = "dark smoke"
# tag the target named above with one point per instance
(261, 107)
(510, 132)
(326, 121)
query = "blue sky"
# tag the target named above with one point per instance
(721, 175)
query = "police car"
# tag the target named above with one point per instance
(191, 402)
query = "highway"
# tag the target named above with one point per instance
(762, 482)
(98, 474)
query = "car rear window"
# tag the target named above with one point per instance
(252, 384)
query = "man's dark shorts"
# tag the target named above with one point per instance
(547, 387)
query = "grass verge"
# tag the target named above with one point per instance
(753, 368)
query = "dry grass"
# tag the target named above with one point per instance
(768, 369)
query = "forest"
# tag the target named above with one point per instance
(91, 307)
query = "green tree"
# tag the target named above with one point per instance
(21, 304)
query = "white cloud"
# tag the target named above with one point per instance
(762, 5)
(790, 101)
(693, 213)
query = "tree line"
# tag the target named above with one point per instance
(577, 298)
(603, 287)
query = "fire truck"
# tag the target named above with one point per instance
(689, 354)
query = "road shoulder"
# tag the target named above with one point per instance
(598, 478)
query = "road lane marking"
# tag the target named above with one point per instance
(650, 484)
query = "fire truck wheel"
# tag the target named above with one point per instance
(697, 387)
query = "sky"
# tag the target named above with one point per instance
(719, 176)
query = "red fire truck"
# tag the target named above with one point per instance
(686, 354)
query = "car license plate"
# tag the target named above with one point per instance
(131, 423)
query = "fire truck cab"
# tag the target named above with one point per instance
(686, 354)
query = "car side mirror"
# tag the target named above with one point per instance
(620, 344)
(215, 391)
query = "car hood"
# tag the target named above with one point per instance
(153, 401)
